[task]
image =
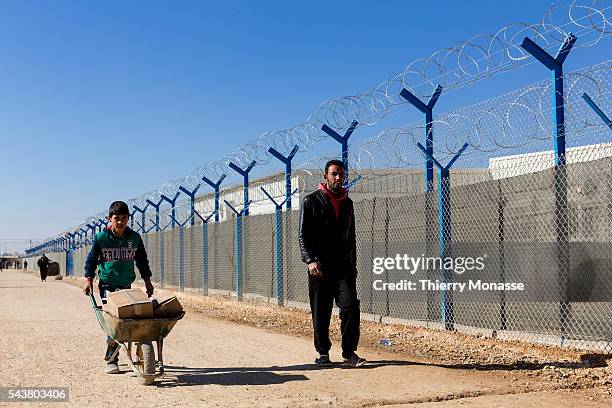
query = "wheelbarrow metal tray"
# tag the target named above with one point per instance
(139, 329)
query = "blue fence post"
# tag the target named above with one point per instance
(172, 202)
(156, 207)
(204, 250)
(83, 231)
(216, 187)
(105, 222)
(597, 110)
(160, 234)
(69, 262)
(555, 65)
(92, 227)
(287, 162)
(71, 249)
(239, 271)
(427, 109)
(181, 251)
(162, 259)
(142, 212)
(238, 252)
(445, 232)
(181, 258)
(278, 252)
(343, 140)
(191, 195)
(278, 248)
(245, 176)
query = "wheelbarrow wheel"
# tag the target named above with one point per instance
(146, 362)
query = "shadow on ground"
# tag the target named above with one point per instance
(186, 376)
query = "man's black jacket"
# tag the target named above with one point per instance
(325, 239)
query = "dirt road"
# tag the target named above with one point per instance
(49, 337)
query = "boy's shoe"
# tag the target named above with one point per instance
(112, 368)
(323, 361)
(354, 361)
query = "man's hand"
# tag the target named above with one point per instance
(314, 269)
(149, 287)
(88, 286)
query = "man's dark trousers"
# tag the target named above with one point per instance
(322, 292)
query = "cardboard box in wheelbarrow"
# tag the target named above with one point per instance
(129, 304)
(166, 306)
(130, 316)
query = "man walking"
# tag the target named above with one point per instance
(328, 246)
(43, 266)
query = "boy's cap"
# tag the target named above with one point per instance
(118, 208)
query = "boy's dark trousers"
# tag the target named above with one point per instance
(322, 292)
(111, 345)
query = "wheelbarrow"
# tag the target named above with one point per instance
(142, 332)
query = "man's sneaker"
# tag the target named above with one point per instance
(112, 368)
(354, 361)
(323, 361)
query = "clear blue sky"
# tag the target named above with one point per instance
(106, 100)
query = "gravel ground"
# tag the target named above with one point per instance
(233, 354)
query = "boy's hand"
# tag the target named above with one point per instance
(149, 287)
(88, 286)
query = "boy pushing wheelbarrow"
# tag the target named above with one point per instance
(113, 254)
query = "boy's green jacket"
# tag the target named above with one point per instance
(114, 258)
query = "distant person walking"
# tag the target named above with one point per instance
(25, 265)
(43, 266)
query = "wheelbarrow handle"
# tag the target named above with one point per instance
(98, 313)
(92, 300)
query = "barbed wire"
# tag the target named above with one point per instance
(514, 123)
